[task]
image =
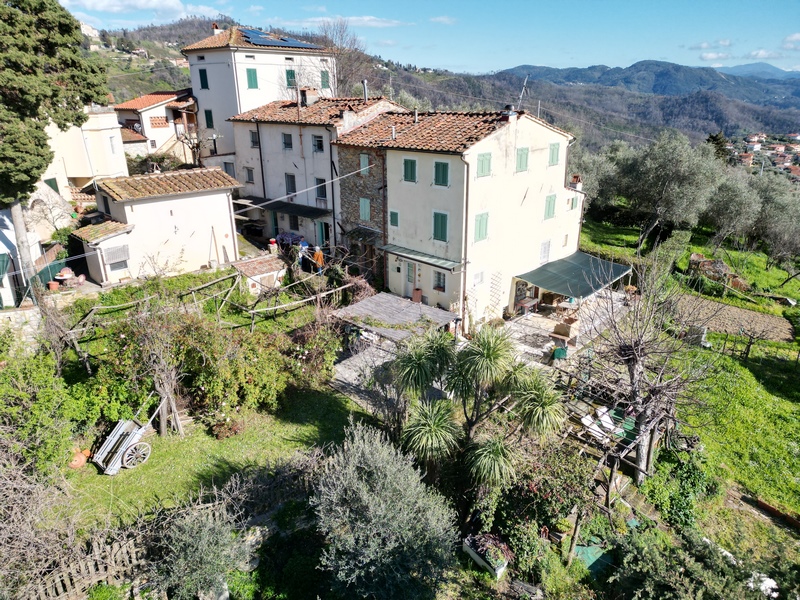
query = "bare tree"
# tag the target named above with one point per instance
(645, 353)
(352, 64)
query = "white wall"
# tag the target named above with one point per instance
(174, 234)
(228, 95)
(8, 245)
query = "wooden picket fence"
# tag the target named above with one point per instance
(112, 563)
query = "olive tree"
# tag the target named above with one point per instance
(387, 535)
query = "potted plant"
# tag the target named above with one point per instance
(490, 552)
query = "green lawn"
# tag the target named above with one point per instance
(609, 241)
(178, 467)
(751, 427)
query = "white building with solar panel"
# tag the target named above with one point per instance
(239, 69)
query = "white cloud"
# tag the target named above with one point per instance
(762, 54)
(315, 8)
(171, 7)
(714, 56)
(85, 18)
(386, 43)
(254, 8)
(700, 46)
(724, 43)
(791, 42)
(715, 65)
(444, 20)
(201, 10)
(368, 21)
(359, 21)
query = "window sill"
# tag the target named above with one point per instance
(439, 289)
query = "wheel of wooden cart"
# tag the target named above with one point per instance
(136, 454)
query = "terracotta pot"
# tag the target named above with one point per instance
(53, 285)
(78, 461)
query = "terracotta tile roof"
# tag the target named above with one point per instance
(149, 100)
(101, 231)
(181, 104)
(129, 135)
(444, 131)
(167, 184)
(234, 38)
(325, 111)
(255, 267)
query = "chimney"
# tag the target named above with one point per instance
(308, 96)
(416, 116)
(366, 91)
(507, 112)
(576, 183)
(215, 29)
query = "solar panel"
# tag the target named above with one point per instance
(261, 38)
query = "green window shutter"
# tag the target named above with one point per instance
(553, 154)
(550, 207)
(209, 119)
(325, 80)
(53, 184)
(363, 163)
(441, 173)
(481, 226)
(575, 202)
(440, 227)
(410, 170)
(252, 79)
(291, 80)
(203, 79)
(522, 159)
(363, 209)
(394, 218)
(484, 164)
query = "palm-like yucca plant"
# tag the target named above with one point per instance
(488, 357)
(413, 368)
(541, 410)
(431, 433)
(491, 462)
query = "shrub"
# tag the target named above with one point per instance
(104, 591)
(387, 535)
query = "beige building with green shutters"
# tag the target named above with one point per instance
(468, 202)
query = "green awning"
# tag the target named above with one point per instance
(5, 260)
(420, 257)
(295, 210)
(577, 276)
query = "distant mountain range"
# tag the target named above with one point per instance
(668, 79)
(761, 70)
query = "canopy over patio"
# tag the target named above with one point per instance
(577, 276)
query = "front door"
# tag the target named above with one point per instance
(411, 278)
(323, 233)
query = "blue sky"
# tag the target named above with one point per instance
(477, 37)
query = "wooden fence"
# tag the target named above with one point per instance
(111, 563)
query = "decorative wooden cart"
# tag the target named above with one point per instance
(123, 448)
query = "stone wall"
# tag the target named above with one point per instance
(371, 185)
(24, 322)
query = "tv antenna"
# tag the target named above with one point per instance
(522, 93)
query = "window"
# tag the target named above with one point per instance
(291, 185)
(574, 203)
(152, 143)
(294, 222)
(287, 141)
(477, 279)
(440, 227)
(441, 173)
(566, 239)
(363, 209)
(203, 79)
(553, 154)
(394, 218)
(120, 265)
(255, 142)
(410, 272)
(249, 175)
(481, 226)
(544, 252)
(229, 168)
(116, 255)
(318, 143)
(484, 164)
(550, 207)
(252, 79)
(322, 189)
(201, 57)
(291, 79)
(410, 170)
(522, 159)
(325, 80)
(250, 56)
(111, 143)
(209, 119)
(439, 281)
(105, 207)
(363, 163)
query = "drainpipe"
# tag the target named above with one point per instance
(382, 153)
(464, 247)
(236, 82)
(261, 162)
(333, 187)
